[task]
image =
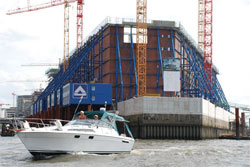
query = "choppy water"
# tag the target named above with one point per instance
(146, 153)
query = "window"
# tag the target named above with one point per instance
(127, 35)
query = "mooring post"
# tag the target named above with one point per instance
(243, 123)
(237, 122)
(249, 126)
(248, 129)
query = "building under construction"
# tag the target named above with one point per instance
(183, 101)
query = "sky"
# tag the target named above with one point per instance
(37, 37)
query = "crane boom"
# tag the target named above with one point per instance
(53, 3)
(28, 80)
(40, 6)
(39, 64)
(1, 104)
(141, 46)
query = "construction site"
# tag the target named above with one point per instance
(151, 71)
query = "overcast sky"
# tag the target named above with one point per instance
(37, 37)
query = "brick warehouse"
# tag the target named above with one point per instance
(108, 56)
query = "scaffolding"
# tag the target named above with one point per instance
(106, 58)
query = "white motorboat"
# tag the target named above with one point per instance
(79, 135)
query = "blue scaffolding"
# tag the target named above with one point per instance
(86, 65)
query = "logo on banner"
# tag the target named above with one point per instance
(80, 91)
(171, 64)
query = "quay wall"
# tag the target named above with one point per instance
(175, 118)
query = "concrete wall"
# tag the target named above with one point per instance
(160, 105)
(193, 118)
(214, 116)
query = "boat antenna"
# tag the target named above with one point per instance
(78, 104)
(105, 105)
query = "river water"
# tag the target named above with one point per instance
(146, 153)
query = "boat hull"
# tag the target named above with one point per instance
(51, 143)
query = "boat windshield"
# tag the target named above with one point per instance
(82, 122)
(88, 122)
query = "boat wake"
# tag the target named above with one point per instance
(147, 151)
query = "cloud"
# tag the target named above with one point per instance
(246, 2)
(12, 36)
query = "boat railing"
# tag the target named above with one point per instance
(17, 124)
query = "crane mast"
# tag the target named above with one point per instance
(205, 31)
(201, 24)
(141, 46)
(79, 22)
(66, 36)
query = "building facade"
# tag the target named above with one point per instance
(11, 112)
(24, 103)
(174, 65)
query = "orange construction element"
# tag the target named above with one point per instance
(141, 47)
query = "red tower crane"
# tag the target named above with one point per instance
(53, 3)
(205, 31)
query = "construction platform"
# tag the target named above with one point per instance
(175, 118)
